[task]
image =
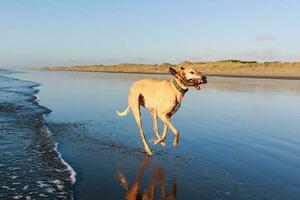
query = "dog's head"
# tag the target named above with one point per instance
(189, 76)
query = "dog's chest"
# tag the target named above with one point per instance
(176, 106)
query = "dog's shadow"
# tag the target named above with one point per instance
(156, 183)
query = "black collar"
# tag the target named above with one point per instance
(180, 89)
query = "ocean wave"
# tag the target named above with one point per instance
(31, 167)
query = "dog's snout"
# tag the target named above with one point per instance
(204, 79)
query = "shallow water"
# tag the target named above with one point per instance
(30, 168)
(239, 138)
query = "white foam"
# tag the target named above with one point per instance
(50, 190)
(56, 181)
(41, 184)
(17, 197)
(43, 195)
(25, 187)
(37, 98)
(58, 184)
(8, 188)
(69, 168)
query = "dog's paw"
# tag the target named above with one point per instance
(163, 144)
(175, 144)
(155, 142)
(161, 141)
(149, 152)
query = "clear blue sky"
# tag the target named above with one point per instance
(68, 32)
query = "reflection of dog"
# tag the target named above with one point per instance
(162, 99)
(134, 192)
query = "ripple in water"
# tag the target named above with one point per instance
(30, 166)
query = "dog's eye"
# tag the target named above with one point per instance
(191, 72)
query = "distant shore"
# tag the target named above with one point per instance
(228, 68)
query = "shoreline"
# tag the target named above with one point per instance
(257, 76)
(35, 143)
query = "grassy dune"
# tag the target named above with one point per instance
(219, 68)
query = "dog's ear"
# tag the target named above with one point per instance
(172, 71)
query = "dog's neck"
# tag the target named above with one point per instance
(180, 87)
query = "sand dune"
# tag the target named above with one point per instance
(219, 68)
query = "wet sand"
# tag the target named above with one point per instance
(239, 138)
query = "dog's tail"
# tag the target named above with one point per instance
(125, 112)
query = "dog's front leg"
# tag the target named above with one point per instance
(159, 139)
(163, 136)
(167, 122)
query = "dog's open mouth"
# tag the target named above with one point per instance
(197, 83)
(193, 82)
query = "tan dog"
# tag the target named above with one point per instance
(162, 98)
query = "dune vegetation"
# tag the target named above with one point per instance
(217, 68)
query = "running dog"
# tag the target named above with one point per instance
(162, 98)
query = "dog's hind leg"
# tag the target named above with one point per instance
(135, 108)
(154, 118)
(155, 127)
